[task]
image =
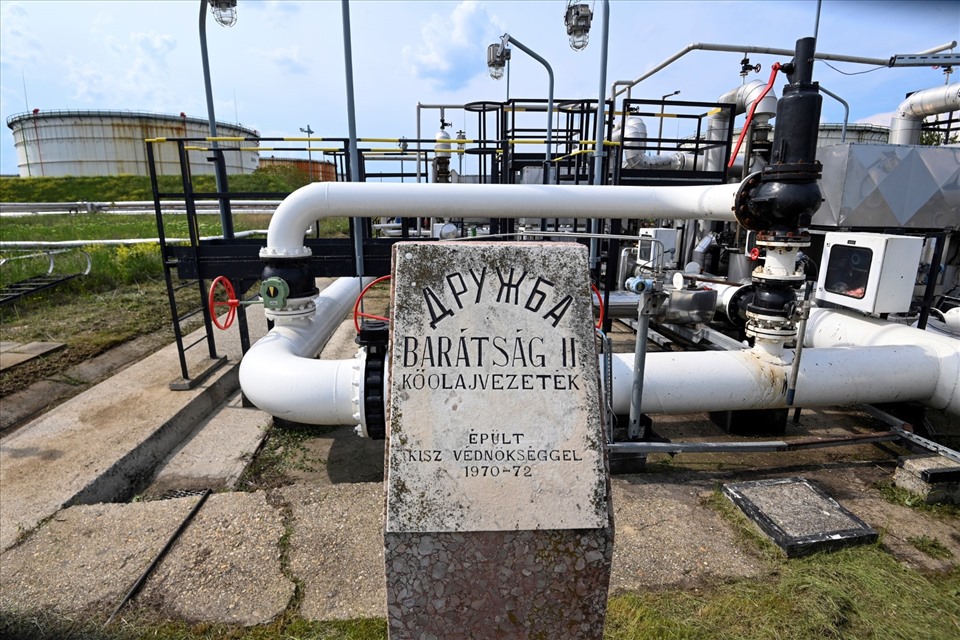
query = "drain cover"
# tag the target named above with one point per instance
(800, 518)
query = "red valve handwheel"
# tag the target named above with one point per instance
(596, 292)
(755, 253)
(357, 314)
(230, 302)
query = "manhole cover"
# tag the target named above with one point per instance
(800, 518)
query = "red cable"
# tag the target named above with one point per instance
(356, 305)
(599, 303)
(746, 125)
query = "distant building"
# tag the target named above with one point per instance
(315, 170)
(109, 143)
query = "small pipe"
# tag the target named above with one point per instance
(135, 589)
(635, 430)
(846, 111)
(801, 330)
(673, 448)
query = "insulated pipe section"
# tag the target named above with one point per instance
(279, 375)
(907, 119)
(634, 131)
(827, 327)
(743, 96)
(736, 380)
(364, 200)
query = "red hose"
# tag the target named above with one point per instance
(599, 303)
(746, 125)
(356, 305)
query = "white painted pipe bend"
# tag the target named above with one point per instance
(365, 199)
(281, 377)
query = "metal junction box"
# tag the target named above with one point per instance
(869, 272)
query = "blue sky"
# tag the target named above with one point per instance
(281, 66)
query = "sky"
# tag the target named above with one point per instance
(281, 66)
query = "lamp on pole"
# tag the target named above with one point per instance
(225, 12)
(309, 132)
(663, 100)
(577, 19)
(497, 56)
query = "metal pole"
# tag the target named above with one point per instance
(598, 150)
(226, 220)
(846, 111)
(309, 132)
(546, 65)
(634, 428)
(355, 223)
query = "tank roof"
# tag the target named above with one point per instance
(16, 118)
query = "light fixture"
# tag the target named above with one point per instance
(578, 20)
(497, 56)
(225, 12)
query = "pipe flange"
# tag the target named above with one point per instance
(296, 308)
(374, 339)
(791, 239)
(788, 279)
(285, 252)
(741, 202)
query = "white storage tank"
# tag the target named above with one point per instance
(109, 143)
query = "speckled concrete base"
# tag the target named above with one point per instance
(498, 584)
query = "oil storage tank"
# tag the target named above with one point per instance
(106, 143)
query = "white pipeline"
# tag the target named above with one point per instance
(366, 200)
(853, 360)
(907, 119)
(280, 375)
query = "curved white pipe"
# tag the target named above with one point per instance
(907, 119)
(842, 328)
(364, 200)
(742, 96)
(279, 375)
(635, 130)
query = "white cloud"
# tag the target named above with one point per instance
(882, 119)
(18, 44)
(452, 48)
(289, 59)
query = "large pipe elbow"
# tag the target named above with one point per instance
(280, 376)
(908, 118)
(833, 328)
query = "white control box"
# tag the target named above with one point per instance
(870, 272)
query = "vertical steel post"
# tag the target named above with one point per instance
(355, 223)
(219, 167)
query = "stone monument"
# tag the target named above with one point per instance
(498, 519)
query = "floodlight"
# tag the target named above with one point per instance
(497, 56)
(225, 12)
(578, 20)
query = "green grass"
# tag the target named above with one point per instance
(126, 188)
(932, 547)
(905, 498)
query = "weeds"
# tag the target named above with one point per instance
(284, 449)
(905, 498)
(931, 546)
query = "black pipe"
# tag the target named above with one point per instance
(135, 589)
(932, 280)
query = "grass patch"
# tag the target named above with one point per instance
(861, 592)
(284, 449)
(931, 546)
(905, 498)
(130, 188)
(143, 624)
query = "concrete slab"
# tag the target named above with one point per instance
(936, 479)
(96, 446)
(215, 454)
(798, 517)
(226, 565)
(7, 346)
(20, 353)
(337, 549)
(86, 557)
